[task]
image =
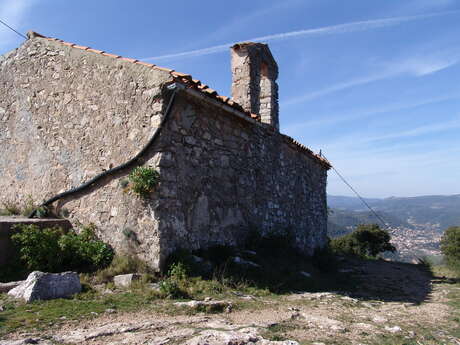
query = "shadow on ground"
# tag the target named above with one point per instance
(283, 272)
(389, 281)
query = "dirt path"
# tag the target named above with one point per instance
(308, 318)
(392, 303)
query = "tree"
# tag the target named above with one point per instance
(368, 240)
(450, 246)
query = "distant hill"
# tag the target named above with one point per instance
(341, 222)
(416, 224)
(436, 212)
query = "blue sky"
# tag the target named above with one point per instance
(374, 84)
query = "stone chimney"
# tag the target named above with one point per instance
(254, 74)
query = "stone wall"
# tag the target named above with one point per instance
(228, 176)
(67, 115)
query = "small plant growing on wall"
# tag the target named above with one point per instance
(143, 180)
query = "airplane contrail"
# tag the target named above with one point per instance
(327, 30)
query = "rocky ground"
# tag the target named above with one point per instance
(393, 303)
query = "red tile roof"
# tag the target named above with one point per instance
(196, 84)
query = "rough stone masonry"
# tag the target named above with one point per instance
(69, 112)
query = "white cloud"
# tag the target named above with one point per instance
(362, 113)
(425, 63)
(240, 22)
(337, 87)
(418, 131)
(421, 68)
(416, 66)
(424, 5)
(396, 173)
(360, 142)
(327, 30)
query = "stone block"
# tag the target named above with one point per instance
(44, 286)
(125, 280)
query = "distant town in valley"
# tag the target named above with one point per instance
(416, 224)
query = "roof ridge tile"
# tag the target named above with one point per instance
(80, 47)
(163, 69)
(145, 64)
(95, 51)
(128, 59)
(111, 55)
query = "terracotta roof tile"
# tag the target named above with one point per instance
(296, 145)
(181, 75)
(111, 55)
(80, 47)
(95, 51)
(145, 64)
(187, 80)
(210, 91)
(223, 98)
(164, 69)
(128, 59)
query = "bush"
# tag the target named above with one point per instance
(450, 246)
(143, 180)
(174, 286)
(84, 251)
(39, 248)
(52, 250)
(368, 240)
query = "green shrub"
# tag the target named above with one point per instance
(178, 272)
(84, 251)
(450, 247)
(175, 285)
(143, 180)
(170, 289)
(39, 248)
(52, 250)
(368, 240)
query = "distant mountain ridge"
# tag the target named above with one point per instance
(434, 211)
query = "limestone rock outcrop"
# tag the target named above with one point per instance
(44, 286)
